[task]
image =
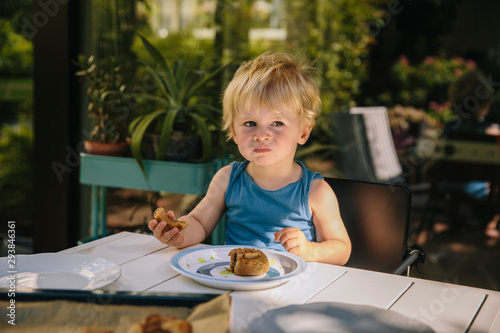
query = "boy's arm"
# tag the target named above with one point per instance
(202, 219)
(332, 245)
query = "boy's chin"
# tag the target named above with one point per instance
(265, 161)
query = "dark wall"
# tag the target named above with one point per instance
(475, 28)
(55, 32)
(446, 28)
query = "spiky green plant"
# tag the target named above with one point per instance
(179, 102)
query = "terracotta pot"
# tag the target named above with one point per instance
(109, 149)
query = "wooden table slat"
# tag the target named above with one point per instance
(444, 307)
(380, 290)
(488, 318)
(124, 249)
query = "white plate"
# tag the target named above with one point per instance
(335, 317)
(210, 266)
(57, 271)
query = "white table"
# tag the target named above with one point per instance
(444, 307)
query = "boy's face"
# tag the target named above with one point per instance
(265, 137)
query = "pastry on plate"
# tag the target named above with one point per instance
(248, 261)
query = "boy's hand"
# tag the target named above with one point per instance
(294, 241)
(171, 237)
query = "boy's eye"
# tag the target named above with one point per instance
(278, 123)
(250, 123)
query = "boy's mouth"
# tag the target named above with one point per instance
(262, 149)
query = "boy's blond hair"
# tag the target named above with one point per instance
(275, 81)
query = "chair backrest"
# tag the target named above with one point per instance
(354, 158)
(384, 157)
(376, 217)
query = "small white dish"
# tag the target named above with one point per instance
(210, 266)
(57, 271)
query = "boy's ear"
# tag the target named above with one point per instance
(304, 134)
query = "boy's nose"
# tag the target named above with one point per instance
(261, 134)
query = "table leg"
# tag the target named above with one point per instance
(94, 223)
(98, 216)
(103, 211)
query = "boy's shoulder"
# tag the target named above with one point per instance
(225, 170)
(221, 178)
(321, 193)
(320, 187)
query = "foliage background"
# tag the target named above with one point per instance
(16, 125)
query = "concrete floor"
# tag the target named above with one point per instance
(462, 254)
(464, 258)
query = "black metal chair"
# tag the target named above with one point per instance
(377, 219)
(366, 148)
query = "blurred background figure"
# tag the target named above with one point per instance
(471, 95)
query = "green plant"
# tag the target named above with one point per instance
(16, 171)
(107, 109)
(180, 105)
(441, 112)
(428, 81)
(341, 40)
(16, 53)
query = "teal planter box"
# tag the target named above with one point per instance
(101, 172)
(123, 172)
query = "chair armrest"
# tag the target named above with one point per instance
(415, 255)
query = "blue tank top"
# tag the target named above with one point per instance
(254, 214)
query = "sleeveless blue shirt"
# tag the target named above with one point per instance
(254, 214)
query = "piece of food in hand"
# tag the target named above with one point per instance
(161, 215)
(248, 261)
(161, 324)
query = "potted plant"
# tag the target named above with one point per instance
(107, 110)
(181, 112)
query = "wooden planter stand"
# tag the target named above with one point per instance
(101, 172)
